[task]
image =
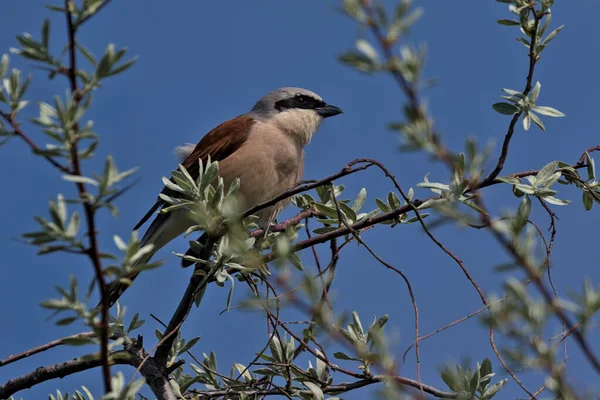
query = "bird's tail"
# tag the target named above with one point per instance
(163, 229)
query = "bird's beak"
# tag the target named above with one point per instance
(328, 111)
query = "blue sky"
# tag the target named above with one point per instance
(201, 63)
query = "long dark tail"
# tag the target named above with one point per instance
(163, 229)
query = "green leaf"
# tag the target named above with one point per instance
(535, 92)
(536, 120)
(80, 179)
(505, 108)
(547, 111)
(552, 35)
(188, 345)
(367, 50)
(492, 390)
(588, 200)
(77, 341)
(360, 200)
(555, 201)
(316, 390)
(342, 356)
(526, 121)
(546, 173)
(508, 22)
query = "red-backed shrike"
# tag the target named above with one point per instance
(264, 148)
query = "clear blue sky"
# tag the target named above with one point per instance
(201, 63)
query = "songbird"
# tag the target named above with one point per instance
(264, 148)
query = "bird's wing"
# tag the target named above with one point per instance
(219, 144)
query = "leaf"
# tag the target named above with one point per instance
(80, 179)
(342, 356)
(316, 390)
(508, 22)
(535, 92)
(360, 200)
(526, 121)
(505, 108)
(367, 49)
(552, 35)
(188, 345)
(546, 173)
(547, 111)
(77, 341)
(555, 201)
(536, 120)
(588, 201)
(492, 390)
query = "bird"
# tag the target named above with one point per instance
(264, 148)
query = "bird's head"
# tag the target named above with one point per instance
(297, 111)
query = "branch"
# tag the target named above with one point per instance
(34, 147)
(545, 292)
(94, 253)
(528, 85)
(54, 371)
(44, 347)
(347, 170)
(332, 389)
(154, 373)
(197, 282)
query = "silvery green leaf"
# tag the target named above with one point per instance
(547, 111)
(367, 49)
(120, 243)
(316, 390)
(588, 200)
(276, 349)
(505, 108)
(325, 229)
(535, 92)
(511, 180)
(80, 179)
(360, 200)
(524, 42)
(382, 205)
(555, 201)
(537, 121)
(515, 93)
(492, 390)
(3, 65)
(552, 35)
(508, 22)
(358, 61)
(525, 188)
(357, 323)
(546, 172)
(172, 186)
(526, 121)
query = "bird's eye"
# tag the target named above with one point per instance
(300, 98)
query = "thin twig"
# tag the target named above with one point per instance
(54, 371)
(94, 252)
(528, 85)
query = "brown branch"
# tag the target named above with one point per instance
(333, 389)
(528, 85)
(184, 307)
(60, 370)
(94, 252)
(347, 170)
(45, 347)
(34, 147)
